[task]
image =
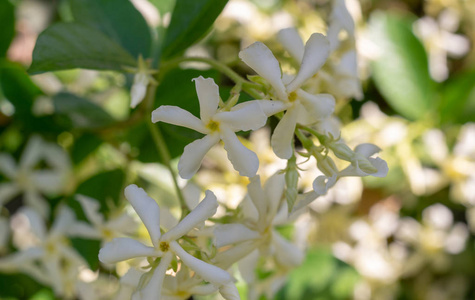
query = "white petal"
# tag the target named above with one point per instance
(7, 166)
(260, 59)
(208, 95)
(91, 209)
(321, 184)
(192, 194)
(32, 153)
(317, 106)
(282, 138)
(367, 149)
(139, 89)
(153, 289)
(244, 160)
(286, 253)
(316, 53)
(202, 212)
(15, 260)
(381, 165)
(120, 249)
(258, 197)
(274, 188)
(341, 15)
(206, 271)
(84, 230)
(292, 42)
(269, 107)
(348, 65)
(178, 116)
(8, 190)
(249, 117)
(35, 200)
(190, 160)
(36, 223)
(229, 291)
(247, 266)
(228, 234)
(47, 181)
(227, 258)
(147, 209)
(64, 219)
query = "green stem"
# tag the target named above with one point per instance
(249, 87)
(162, 149)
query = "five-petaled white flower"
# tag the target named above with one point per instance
(166, 245)
(302, 107)
(217, 125)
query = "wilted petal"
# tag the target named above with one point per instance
(367, 149)
(120, 249)
(260, 59)
(228, 234)
(206, 271)
(153, 289)
(7, 166)
(208, 95)
(317, 107)
(249, 117)
(202, 212)
(91, 209)
(147, 209)
(317, 50)
(244, 160)
(281, 140)
(178, 116)
(292, 42)
(190, 160)
(286, 253)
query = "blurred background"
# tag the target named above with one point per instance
(406, 236)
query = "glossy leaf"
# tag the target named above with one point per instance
(118, 19)
(458, 99)
(191, 19)
(401, 70)
(7, 30)
(73, 45)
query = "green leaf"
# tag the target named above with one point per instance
(163, 6)
(458, 99)
(79, 112)
(17, 87)
(401, 70)
(191, 19)
(7, 30)
(83, 146)
(73, 45)
(119, 20)
(89, 249)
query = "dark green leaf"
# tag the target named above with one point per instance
(73, 45)
(89, 249)
(119, 20)
(83, 146)
(17, 87)
(80, 112)
(458, 99)
(104, 187)
(7, 29)
(18, 285)
(401, 70)
(191, 19)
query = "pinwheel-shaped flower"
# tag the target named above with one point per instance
(217, 125)
(264, 208)
(166, 246)
(302, 107)
(32, 182)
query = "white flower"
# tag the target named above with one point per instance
(263, 209)
(216, 125)
(32, 182)
(142, 79)
(362, 164)
(45, 255)
(165, 246)
(116, 226)
(302, 107)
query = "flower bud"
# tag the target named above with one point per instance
(342, 151)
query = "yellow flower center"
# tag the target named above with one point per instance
(213, 126)
(292, 96)
(164, 246)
